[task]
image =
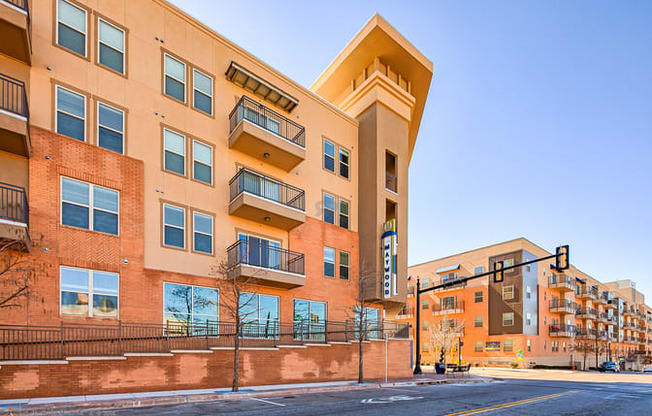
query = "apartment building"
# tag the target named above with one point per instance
(141, 153)
(536, 316)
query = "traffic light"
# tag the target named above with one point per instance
(562, 261)
(499, 275)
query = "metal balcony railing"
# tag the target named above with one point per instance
(448, 306)
(406, 311)
(13, 96)
(588, 291)
(267, 119)
(584, 332)
(563, 303)
(271, 189)
(587, 312)
(21, 4)
(13, 203)
(259, 254)
(391, 182)
(561, 280)
(562, 329)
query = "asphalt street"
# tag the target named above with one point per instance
(503, 397)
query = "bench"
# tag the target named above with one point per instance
(453, 368)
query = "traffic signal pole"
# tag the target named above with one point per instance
(562, 263)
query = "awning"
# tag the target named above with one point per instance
(257, 85)
(582, 281)
(448, 269)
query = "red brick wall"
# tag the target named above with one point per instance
(194, 370)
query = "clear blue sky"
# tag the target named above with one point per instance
(538, 122)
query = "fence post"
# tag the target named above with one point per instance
(326, 332)
(63, 343)
(207, 334)
(167, 335)
(346, 331)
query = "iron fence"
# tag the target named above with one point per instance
(260, 254)
(21, 4)
(260, 185)
(13, 96)
(13, 203)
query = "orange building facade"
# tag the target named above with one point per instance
(142, 157)
(535, 317)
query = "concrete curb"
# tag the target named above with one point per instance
(66, 407)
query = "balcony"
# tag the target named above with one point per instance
(564, 306)
(447, 308)
(405, 312)
(603, 317)
(561, 283)
(15, 28)
(267, 201)
(612, 320)
(391, 182)
(587, 293)
(603, 298)
(611, 304)
(586, 333)
(603, 335)
(262, 264)
(629, 311)
(14, 115)
(562, 330)
(14, 216)
(587, 313)
(266, 135)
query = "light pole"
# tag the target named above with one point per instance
(417, 367)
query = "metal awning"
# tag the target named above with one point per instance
(263, 89)
(448, 269)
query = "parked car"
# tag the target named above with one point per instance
(609, 366)
(647, 369)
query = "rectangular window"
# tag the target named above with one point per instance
(193, 307)
(89, 292)
(71, 27)
(110, 128)
(529, 345)
(202, 162)
(111, 46)
(508, 292)
(344, 163)
(175, 152)
(71, 114)
(329, 208)
(425, 282)
(174, 226)
(329, 262)
(528, 292)
(425, 325)
(477, 347)
(478, 270)
(202, 87)
(508, 345)
(344, 265)
(478, 297)
(202, 229)
(508, 319)
(261, 252)
(309, 320)
(528, 318)
(261, 314)
(425, 304)
(90, 207)
(508, 263)
(477, 322)
(344, 214)
(175, 78)
(329, 156)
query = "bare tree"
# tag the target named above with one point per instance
(238, 299)
(583, 347)
(444, 334)
(17, 274)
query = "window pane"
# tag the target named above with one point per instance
(74, 280)
(110, 140)
(344, 258)
(74, 303)
(74, 215)
(175, 89)
(203, 223)
(202, 102)
(344, 222)
(202, 153)
(329, 254)
(70, 126)
(106, 283)
(71, 39)
(177, 299)
(105, 222)
(203, 243)
(202, 173)
(248, 306)
(329, 217)
(70, 102)
(203, 83)
(344, 207)
(106, 306)
(174, 216)
(329, 148)
(105, 199)
(72, 15)
(174, 237)
(175, 68)
(175, 163)
(329, 202)
(111, 35)
(110, 117)
(268, 307)
(329, 163)
(111, 58)
(301, 312)
(175, 142)
(204, 301)
(74, 191)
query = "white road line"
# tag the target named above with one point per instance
(394, 388)
(267, 401)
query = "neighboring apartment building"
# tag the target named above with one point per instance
(548, 317)
(150, 149)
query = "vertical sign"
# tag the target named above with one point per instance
(389, 247)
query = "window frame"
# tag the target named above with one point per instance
(90, 293)
(212, 95)
(327, 262)
(508, 289)
(324, 195)
(123, 52)
(194, 160)
(85, 34)
(184, 229)
(325, 155)
(476, 320)
(340, 163)
(211, 235)
(91, 206)
(185, 154)
(476, 348)
(347, 266)
(475, 296)
(508, 345)
(57, 110)
(192, 312)
(122, 133)
(341, 201)
(505, 315)
(184, 82)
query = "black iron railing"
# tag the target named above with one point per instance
(563, 303)
(561, 280)
(586, 332)
(260, 254)
(21, 4)
(95, 340)
(562, 329)
(588, 291)
(13, 203)
(448, 306)
(13, 96)
(587, 312)
(260, 185)
(268, 119)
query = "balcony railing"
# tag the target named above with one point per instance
(259, 254)
(562, 329)
(21, 4)
(443, 307)
(588, 291)
(562, 280)
(391, 182)
(566, 304)
(586, 332)
(13, 203)
(587, 312)
(267, 119)
(406, 311)
(13, 96)
(256, 184)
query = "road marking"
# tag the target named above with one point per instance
(393, 399)
(394, 388)
(267, 401)
(509, 404)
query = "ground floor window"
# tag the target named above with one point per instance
(371, 321)
(477, 346)
(260, 315)
(508, 345)
(309, 319)
(89, 292)
(190, 309)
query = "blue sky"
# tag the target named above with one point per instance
(538, 122)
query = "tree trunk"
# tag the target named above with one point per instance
(236, 353)
(361, 337)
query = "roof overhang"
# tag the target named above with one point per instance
(448, 269)
(258, 86)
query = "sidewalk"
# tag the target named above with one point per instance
(63, 405)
